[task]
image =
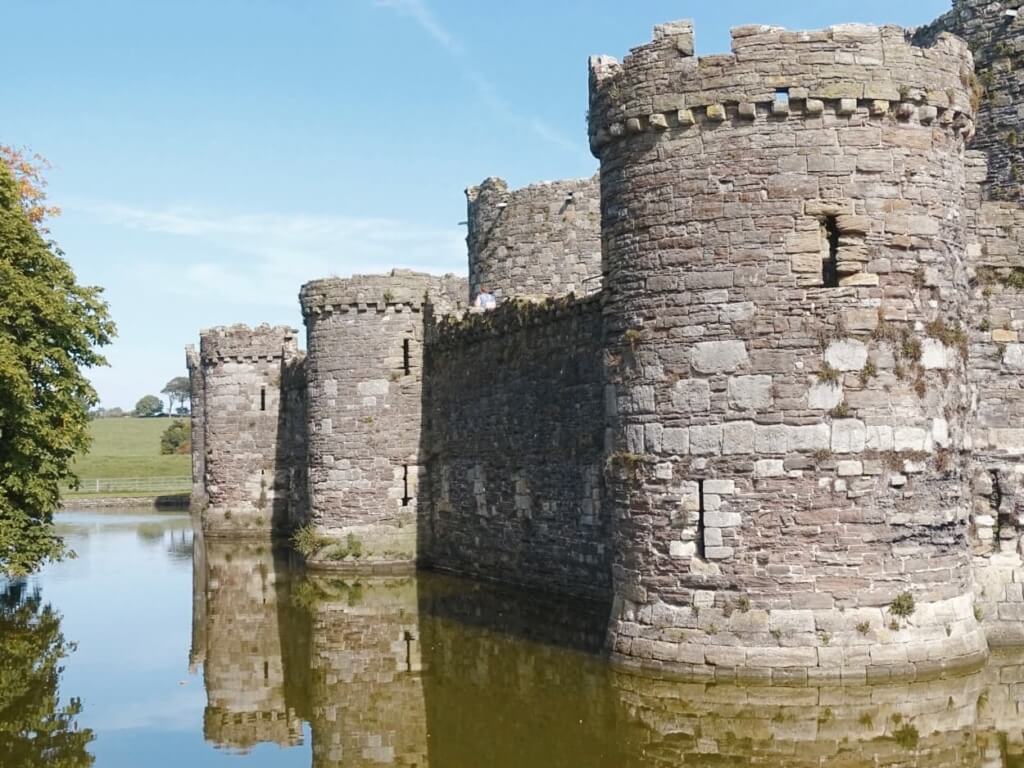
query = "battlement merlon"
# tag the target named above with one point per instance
(660, 85)
(191, 357)
(400, 289)
(240, 342)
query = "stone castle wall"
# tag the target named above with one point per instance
(252, 414)
(197, 412)
(365, 379)
(787, 454)
(785, 433)
(996, 39)
(542, 240)
(514, 447)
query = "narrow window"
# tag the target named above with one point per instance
(263, 398)
(700, 519)
(406, 357)
(406, 498)
(830, 262)
(266, 671)
(782, 95)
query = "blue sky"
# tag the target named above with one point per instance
(212, 155)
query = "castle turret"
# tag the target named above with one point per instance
(253, 419)
(538, 241)
(365, 343)
(784, 260)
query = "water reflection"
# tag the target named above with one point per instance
(296, 669)
(437, 671)
(36, 727)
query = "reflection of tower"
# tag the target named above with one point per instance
(197, 653)
(244, 666)
(367, 689)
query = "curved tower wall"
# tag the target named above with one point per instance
(254, 436)
(364, 368)
(197, 412)
(541, 240)
(787, 457)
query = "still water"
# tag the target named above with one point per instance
(184, 652)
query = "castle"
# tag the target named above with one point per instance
(757, 385)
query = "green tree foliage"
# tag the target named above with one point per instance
(36, 730)
(50, 327)
(150, 405)
(178, 390)
(177, 438)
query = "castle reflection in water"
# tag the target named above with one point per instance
(432, 671)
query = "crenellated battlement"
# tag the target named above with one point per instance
(241, 343)
(773, 73)
(400, 290)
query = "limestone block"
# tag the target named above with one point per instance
(771, 438)
(747, 110)
(685, 117)
(849, 468)
(878, 438)
(718, 356)
(814, 107)
(718, 553)
(681, 549)
(676, 440)
(691, 396)
(720, 487)
(658, 121)
(1001, 336)
(846, 107)
(722, 519)
(860, 279)
(848, 436)
(737, 437)
(373, 387)
(811, 437)
(911, 439)
(788, 622)
(782, 657)
(824, 395)
(706, 440)
(933, 354)
(846, 355)
(716, 113)
(633, 125)
(750, 393)
(689, 496)
(769, 468)
(940, 432)
(1013, 357)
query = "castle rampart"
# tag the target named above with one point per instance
(508, 500)
(541, 240)
(783, 433)
(365, 376)
(785, 317)
(197, 410)
(994, 29)
(253, 438)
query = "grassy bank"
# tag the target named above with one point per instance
(128, 448)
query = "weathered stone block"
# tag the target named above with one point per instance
(718, 356)
(750, 393)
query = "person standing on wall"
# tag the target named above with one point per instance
(485, 299)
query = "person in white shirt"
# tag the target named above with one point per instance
(485, 299)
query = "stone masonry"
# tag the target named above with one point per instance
(775, 418)
(542, 240)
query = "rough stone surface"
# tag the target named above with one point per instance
(542, 240)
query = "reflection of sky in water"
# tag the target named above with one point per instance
(127, 601)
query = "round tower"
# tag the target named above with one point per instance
(364, 369)
(784, 261)
(541, 240)
(254, 437)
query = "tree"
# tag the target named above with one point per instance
(35, 728)
(50, 329)
(177, 438)
(178, 389)
(150, 405)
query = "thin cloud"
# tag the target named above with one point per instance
(420, 12)
(262, 259)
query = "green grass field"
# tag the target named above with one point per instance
(129, 448)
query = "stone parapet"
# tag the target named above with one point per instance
(400, 290)
(242, 343)
(777, 74)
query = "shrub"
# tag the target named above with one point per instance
(902, 605)
(177, 438)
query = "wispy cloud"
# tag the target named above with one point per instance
(420, 12)
(262, 259)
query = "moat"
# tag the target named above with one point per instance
(226, 653)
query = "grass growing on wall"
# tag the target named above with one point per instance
(129, 447)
